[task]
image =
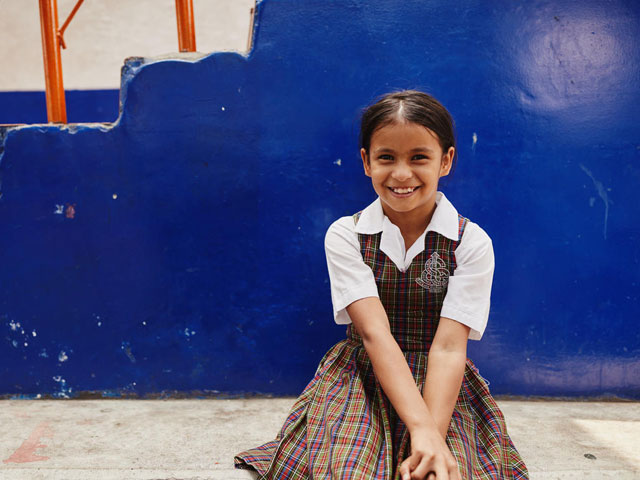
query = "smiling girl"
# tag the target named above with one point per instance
(398, 398)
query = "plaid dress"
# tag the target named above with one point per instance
(343, 426)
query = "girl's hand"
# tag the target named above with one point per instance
(430, 459)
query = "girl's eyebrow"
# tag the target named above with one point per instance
(384, 150)
(413, 150)
(422, 149)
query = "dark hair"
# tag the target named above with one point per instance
(415, 107)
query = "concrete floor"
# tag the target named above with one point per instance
(196, 439)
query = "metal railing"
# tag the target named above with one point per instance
(186, 27)
(53, 40)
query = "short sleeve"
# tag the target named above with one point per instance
(351, 279)
(468, 294)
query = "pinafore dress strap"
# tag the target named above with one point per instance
(462, 223)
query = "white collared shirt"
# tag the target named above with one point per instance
(469, 290)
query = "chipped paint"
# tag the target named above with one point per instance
(126, 348)
(27, 451)
(70, 212)
(189, 332)
(63, 391)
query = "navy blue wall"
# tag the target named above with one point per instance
(82, 106)
(181, 249)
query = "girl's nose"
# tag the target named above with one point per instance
(401, 172)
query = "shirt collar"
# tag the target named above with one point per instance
(444, 220)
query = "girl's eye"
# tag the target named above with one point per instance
(385, 158)
(420, 157)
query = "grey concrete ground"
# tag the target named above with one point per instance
(196, 439)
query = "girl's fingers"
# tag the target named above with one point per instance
(408, 466)
(404, 471)
(441, 471)
(417, 466)
(454, 473)
(422, 470)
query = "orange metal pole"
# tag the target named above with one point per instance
(186, 26)
(56, 107)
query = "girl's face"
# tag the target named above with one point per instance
(405, 162)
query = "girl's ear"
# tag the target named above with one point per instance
(447, 162)
(365, 162)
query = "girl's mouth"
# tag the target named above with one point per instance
(402, 191)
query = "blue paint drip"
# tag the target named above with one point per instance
(604, 196)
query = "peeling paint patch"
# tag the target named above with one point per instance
(126, 348)
(70, 212)
(26, 452)
(59, 210)
(338, 162)
(64, 390)
(189, 332)
(474, 141)
(14, 325)
(43, 353)
(62, 356)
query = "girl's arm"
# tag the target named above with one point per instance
(467, 301)
(429, 451)
(445, 369)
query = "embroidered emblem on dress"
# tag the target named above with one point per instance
(435, 276)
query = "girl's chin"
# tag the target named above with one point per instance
(398, 206)
(401, 206)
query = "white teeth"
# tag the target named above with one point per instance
(403, 190)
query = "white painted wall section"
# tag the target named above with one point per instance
(105, 32)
